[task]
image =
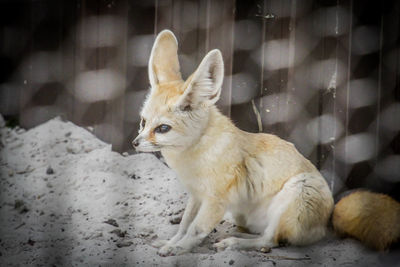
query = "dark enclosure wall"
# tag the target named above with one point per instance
(321, 74)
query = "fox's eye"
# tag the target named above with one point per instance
(143, 123)
(163, 128)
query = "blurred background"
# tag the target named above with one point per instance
(321, 74)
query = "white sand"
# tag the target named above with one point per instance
(59, 184)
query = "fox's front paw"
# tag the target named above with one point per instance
(227, 243)
(171, 250)
(159, 243)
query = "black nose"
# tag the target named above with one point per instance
(135, 143)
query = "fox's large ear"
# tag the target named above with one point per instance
(164, 63)
(204, 87)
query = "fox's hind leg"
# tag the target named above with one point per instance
(298, 215)
(307, 216)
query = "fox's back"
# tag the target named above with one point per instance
(278, 157)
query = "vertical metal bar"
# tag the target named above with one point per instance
(378, 107)
(207, 26)
(155, 18)
(348, 79)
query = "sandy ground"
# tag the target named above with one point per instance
(67, 200)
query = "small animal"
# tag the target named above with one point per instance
(263, 181)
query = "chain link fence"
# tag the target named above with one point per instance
(321, 74)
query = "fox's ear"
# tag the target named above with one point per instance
(204, 87)
(164, 63)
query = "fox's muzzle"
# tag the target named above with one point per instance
(136, 142)
(142, 145)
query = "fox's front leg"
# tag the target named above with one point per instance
(208, 216)
(192, 207)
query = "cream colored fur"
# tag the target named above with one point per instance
(262, 180)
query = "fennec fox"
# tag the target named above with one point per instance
(372, 218)
(263, 181)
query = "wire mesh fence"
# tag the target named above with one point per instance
(321, 74)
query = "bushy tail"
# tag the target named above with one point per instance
(372, 218)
